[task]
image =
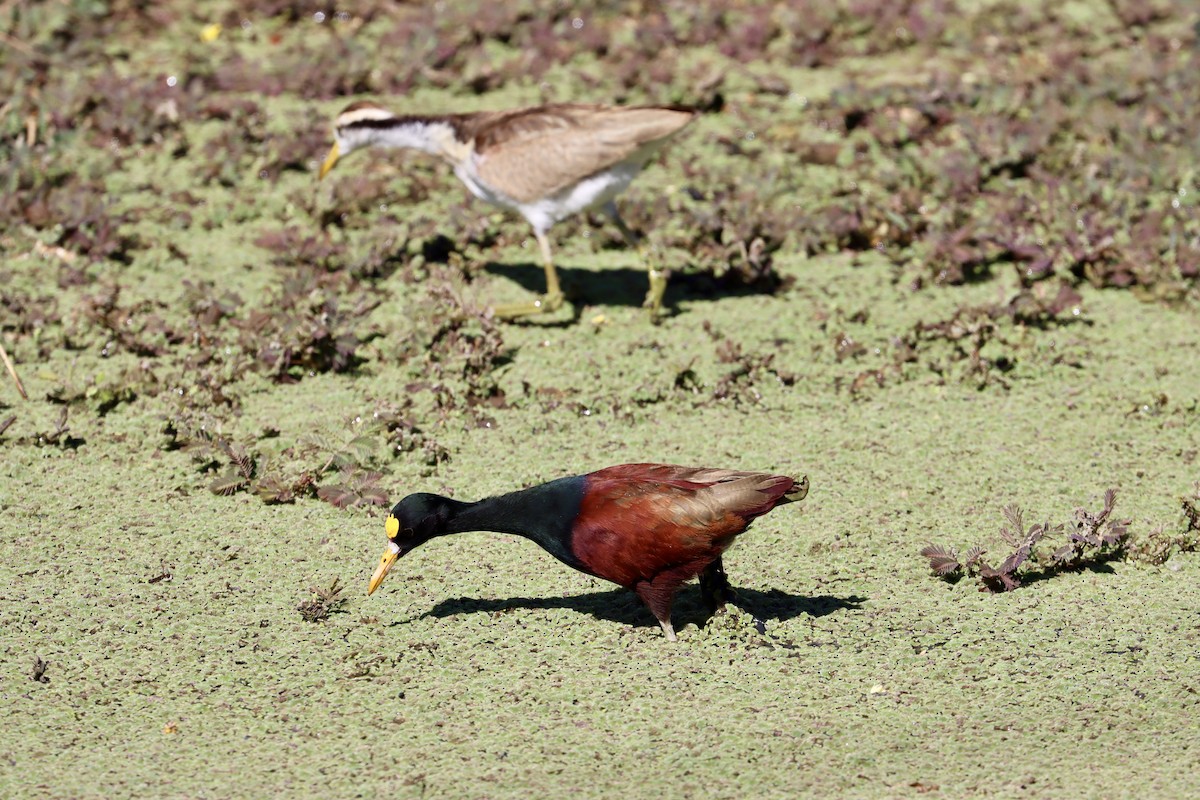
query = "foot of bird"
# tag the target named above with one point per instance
(715, 588)
(668, 629)
(654, 297)
(546, 304)
(725, 595)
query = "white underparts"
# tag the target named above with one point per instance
(595, 190)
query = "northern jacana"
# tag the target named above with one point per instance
(546, 163)
(647, 527)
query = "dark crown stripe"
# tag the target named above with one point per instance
(397, 122)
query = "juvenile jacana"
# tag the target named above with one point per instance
(647, 527)
(546, 163)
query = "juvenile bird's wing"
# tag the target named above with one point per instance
(536, 153)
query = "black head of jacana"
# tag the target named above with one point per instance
(414, 520)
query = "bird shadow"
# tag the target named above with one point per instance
(623, 607)
(624, 286)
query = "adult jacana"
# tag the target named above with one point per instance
(547, 163)
(647, 527)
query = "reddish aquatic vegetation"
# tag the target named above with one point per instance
(324, 600)
(1092, 539)
(295, 246)
(138, 328)
(355, 488)
(740, 384)
(1020, 147)
(343, 467)
(77, 209)
(208, 305)
(974, 344)
(57, 436)
(457, 342)
(25, 316)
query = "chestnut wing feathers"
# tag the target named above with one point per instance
(631, 529)
(536, 153)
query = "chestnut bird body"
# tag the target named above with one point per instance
(647, 527)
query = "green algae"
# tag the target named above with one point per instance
(179, 664)
(485, 664)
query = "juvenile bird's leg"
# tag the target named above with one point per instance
(714, 587)
(658, 277)
(552, 300)
(13, 372)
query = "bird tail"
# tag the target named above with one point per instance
(798, 492)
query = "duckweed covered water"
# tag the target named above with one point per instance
(327, 335)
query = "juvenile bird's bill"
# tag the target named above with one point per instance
(335, 153)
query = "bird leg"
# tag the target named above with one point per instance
(714, 587)
(658, 601)
(551, 301)
(658, 277)
(8, 364)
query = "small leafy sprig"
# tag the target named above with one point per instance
(1093, 531)
(1095, 538)
(323, 602)
(297, 471)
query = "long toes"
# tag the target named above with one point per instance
(550, 302)
(514, 310)
(545, 304)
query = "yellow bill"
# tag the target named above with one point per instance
(385, 563)
(330, 160)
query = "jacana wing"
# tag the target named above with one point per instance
(640, 520)
(536, 153)
(748, 494)
(673, 473)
